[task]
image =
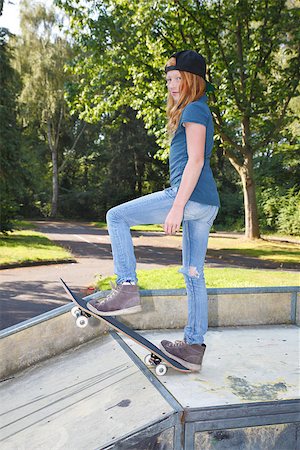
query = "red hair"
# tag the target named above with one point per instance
(192, 87)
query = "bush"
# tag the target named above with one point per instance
(8, 210)
(280, 211)
(231, 214)
(288, 219)
(269, 204)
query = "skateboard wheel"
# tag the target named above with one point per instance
(161, 369)
(82, 321)
(148, 360)
(75, 311)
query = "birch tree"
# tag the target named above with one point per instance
(41, 54)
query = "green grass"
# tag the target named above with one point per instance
(281, 252)
(24, 225)
(151, 227)
(170, 278)
(29, 246)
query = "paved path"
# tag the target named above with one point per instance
(29, 291)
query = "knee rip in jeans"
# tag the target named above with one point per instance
(192, 271)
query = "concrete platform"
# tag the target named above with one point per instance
(84, 399)
(101, 396)
(241, 365)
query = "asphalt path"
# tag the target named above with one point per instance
(29, 291)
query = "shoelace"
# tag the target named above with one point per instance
(178, 343)
(114, 289)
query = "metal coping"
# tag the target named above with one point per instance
(147, 372)
(255, 414)
(242, 410)
(214, 291)
(163, 391)
(153, 293)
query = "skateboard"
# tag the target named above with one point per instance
(157, 358)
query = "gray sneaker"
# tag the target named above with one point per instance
(188, 355)
(123, 299)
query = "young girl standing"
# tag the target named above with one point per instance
(192, 199)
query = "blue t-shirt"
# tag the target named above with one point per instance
(205, 190)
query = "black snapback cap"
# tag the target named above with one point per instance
(193, 62)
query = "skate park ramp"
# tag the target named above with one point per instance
(102, 396)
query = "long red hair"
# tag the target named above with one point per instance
(192, 87)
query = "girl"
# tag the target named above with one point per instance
(191, 199)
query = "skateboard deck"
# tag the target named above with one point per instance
(157, 355)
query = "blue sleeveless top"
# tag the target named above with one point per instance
(205, 190)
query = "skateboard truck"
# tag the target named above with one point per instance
(153, 360)
(82, 317)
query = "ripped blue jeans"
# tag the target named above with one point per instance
(197, 221)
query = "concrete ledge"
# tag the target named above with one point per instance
(45, 339)
(54, 332)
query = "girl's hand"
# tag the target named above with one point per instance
(173, 220)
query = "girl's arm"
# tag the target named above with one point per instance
(195, 138)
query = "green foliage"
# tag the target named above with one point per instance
(10, 169)
(123, 47)
(269, 207)
(41, 54)
(288, 220)
(253, 60)
(281, 212)
(231, 213)
(278, 178)
(8, 212)
(113, 169)
(115, 57)
(49, 131)
(98, 164)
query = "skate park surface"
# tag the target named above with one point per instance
(69, 388)
(99, 394)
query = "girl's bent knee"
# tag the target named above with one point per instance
(111, 214)
(116, 215)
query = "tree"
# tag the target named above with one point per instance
(42, 53)
(10, 169)
(252, 50)
(113, 163)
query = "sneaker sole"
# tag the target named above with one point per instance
(191, 366)
(132, 310)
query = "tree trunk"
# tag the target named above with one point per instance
(53, 133)
(54, 203)
(250, 204)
